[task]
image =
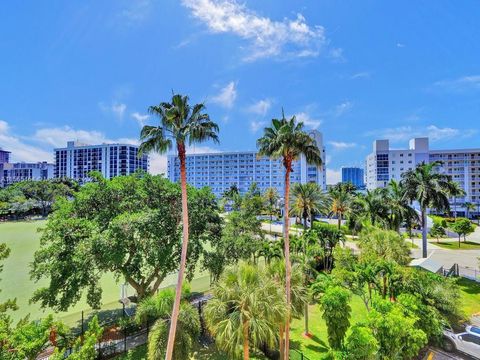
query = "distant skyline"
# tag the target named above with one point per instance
(356, 71)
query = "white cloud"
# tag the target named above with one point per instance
(21, 150)
(261, 107)
(266, 37)
(400, 45)
(360, 75)
(333, 176)
(307, 120)
(460, 83)
(340, 145)
(227, 95)
(342, 108)
(435, 133)
(140, 118)
(256, 125)
(115, 108)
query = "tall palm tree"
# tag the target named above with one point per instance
(341, 201)
(375, 206)
(276, 271)
(286, 140)
(244, 310)
(307, 201)
(431, 189)
(456, 191)
(180, 125)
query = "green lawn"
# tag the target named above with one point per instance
(470, 296)
(453, 245)
(23, 239)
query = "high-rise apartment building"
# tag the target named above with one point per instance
(221, 170)
(77, 160)
(463, 165)
(354, 175)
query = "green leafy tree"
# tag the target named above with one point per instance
(245, 310)
(462, 227)
(180, 125)
(271, 198)
(361, 344)
(336, 313)
(431, 189)
(437, 231)
(397, 334)
(468, 208)
(129, 226)
(286, 140)
(456, 190)
(398, 206)
(328, 237)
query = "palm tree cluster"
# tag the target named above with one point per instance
(248, 300)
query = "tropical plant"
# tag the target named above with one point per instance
(456, 190)
(286, 140)
(431, 189)
(398, 206)
(276, 272)
(180, 125)
(307, 201)
(375, 206)
(341, 201)
(271, 198)
(383, 244)
(245, 310)
(336, 313)
(468, 208)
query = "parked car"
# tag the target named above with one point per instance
(467, 342)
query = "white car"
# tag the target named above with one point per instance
(467, 342)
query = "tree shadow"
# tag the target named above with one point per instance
(319, 346)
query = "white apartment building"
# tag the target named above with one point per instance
(221, 170)
(384, 164)
(15, 172)
(77, 160)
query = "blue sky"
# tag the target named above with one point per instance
(355, 70)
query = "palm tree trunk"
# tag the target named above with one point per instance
(246, 351)
(183, 259)
(339, 220)
(305, 316)
(281, 342)
(288, 265)
(424, 232)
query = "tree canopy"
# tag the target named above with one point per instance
(129, 226)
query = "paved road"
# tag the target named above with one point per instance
(437, 354)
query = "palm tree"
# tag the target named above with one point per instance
(276, 272)
(456, 191)
(244, 310)
(400, 210)
(180, 124)
(307, 201)
(431, 189)
(469, 207)
(271, 198)
(158, 308)
(341, 201)
(375, 206)
(287, 141)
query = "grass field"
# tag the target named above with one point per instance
(23, 239)
(470, 296)
(453, 245)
